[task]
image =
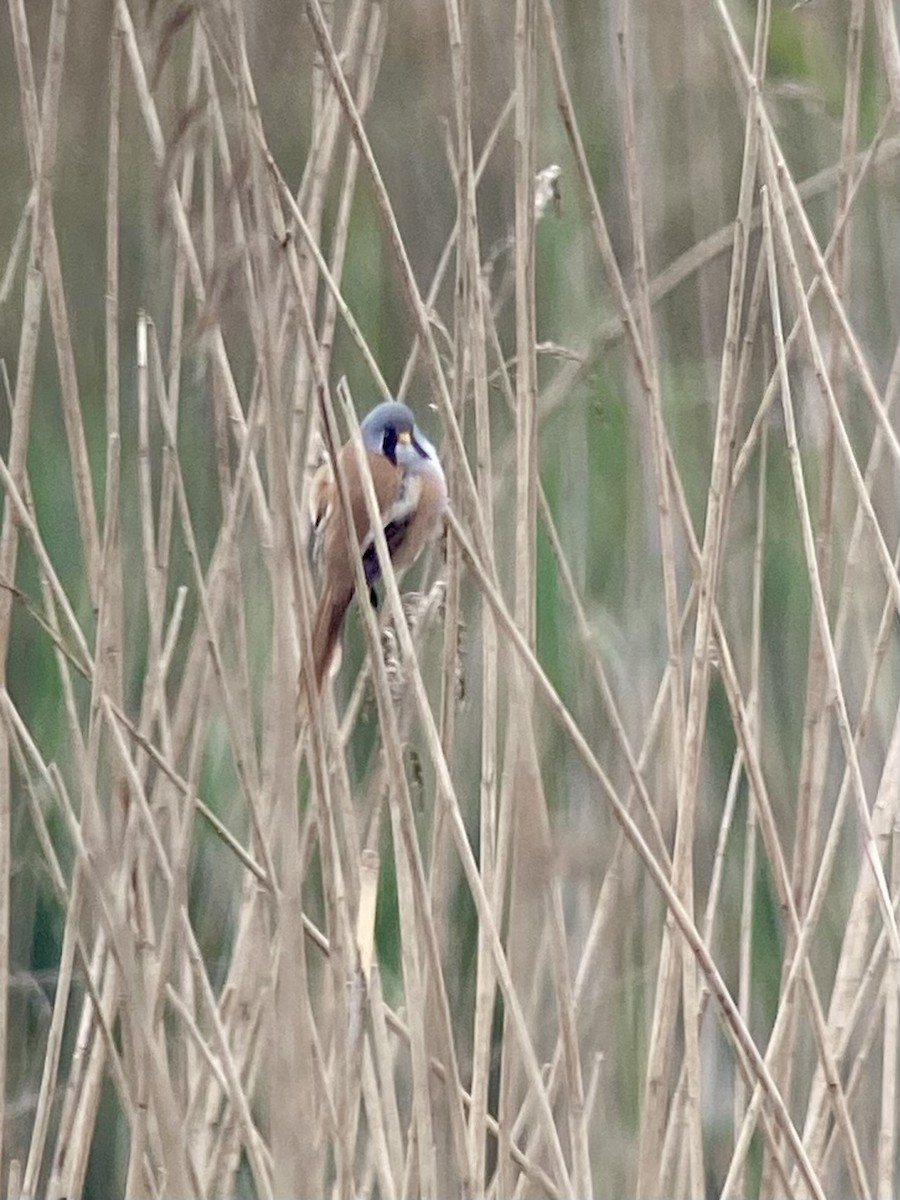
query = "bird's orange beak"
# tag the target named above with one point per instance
(405, 437)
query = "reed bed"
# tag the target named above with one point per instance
(581, 877)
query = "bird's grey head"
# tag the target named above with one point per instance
(390, 429)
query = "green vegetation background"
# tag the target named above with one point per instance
(594, 458)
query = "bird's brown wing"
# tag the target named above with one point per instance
(338, 578)
(387, 480)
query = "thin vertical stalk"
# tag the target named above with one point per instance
(43, 143)
(887, 1134)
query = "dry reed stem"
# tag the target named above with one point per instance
(749, 865)
(779, 177)
(823, 877)
(470, 362)
(855, 1164)
(816, 731)
(41, 130)
(602, 908)
(691, 262)
(323, 39)
(887, 1135)
(671, 966)
(886, 20)
(410, 873)
(526, 798)
(411, 291)
(42, 142)
(815, 581)
(198, 1052)
(731, 1020)
(695, 552)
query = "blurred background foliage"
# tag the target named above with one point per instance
(595, 450)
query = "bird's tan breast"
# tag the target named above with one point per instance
(425, 523)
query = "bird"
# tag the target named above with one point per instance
(411, 490)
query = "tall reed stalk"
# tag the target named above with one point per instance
(581, 876)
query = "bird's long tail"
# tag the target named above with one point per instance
(327, 629)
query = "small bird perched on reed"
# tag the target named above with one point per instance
(412, 496)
